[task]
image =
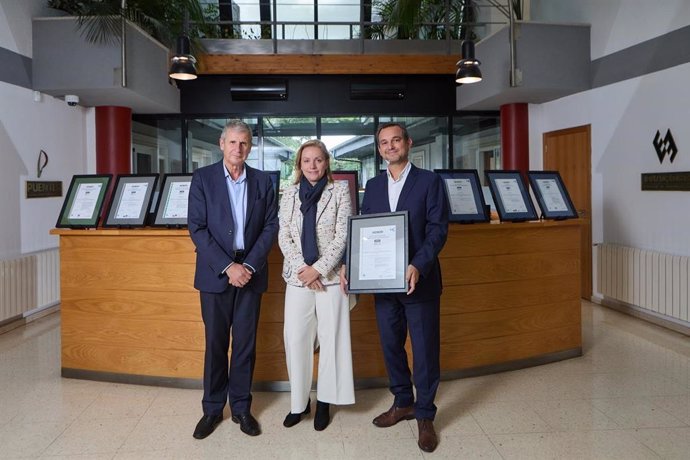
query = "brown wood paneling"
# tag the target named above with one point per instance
(509, 238)
(365, 336)
(510, 293)
(130, 249)
(368, 364)
(102, 276)
(509, 267)
(470, 327)
(270, 367)
(302, 64)
(175, 306)
(135, 361)
(568, 151)
(270, 338)
(489, 351)
(97, 329)
(272, 307)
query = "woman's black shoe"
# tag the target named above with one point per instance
(293, 419)
(322, 417)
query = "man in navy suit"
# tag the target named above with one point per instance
(233, 222)
(421, 193)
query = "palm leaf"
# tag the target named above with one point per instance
(100, 21)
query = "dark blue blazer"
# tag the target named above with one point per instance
(424, 197)
(211, 226)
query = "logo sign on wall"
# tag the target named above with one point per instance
(665, 147)
(666, 181)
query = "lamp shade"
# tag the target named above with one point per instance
(468, 72)
(468, 67)
(183, 66)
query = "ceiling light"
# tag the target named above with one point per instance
(468, 67)
(183, 65)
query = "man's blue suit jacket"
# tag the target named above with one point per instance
(424, 197)
(211, 227)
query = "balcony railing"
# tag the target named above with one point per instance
(334, 36)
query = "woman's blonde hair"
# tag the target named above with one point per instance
(298, 159)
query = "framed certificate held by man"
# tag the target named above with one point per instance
(377, 253)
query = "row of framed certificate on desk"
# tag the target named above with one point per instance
(131, 204)
(510, 195)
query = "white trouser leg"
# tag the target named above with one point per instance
(299, 333)
(335, 381)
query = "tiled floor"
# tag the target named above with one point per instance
(628, 397)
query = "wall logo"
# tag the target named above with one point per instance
(665, 146)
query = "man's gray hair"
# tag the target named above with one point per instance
(237, 125)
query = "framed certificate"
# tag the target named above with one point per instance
(171, 210)
(377, 253)
(131, 200)
(511, 196)
(465, 195)
(552, 196)
(84, 201)
(351, 177)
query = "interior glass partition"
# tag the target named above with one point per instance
(157, 146)
(282, 136)
(430, 143)
(477, 143)
(203, 142)
(351, 143)
(158, 143)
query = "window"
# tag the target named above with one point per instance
(477, 143)
(429, 140)
(157, 146)
(203, 136)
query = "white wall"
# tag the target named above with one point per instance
(616, 24)
(624, 118)
(26, 127)
(15, 23)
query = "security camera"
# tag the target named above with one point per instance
(72, 99)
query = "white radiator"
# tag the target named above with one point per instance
(28, 283)
(650, 280)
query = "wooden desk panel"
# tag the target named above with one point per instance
(511, 292)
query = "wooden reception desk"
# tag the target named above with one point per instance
(131, 314)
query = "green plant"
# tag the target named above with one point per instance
(213, 29)
(100, 21)
(423, 19)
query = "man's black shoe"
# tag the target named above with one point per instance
(248, 424)
(206, 425)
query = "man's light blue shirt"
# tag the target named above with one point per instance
(237, 192)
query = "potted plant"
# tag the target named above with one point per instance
(100, 21)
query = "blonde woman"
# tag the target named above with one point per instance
(313, 231)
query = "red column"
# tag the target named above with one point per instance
(113, 140)
(515, 138)
(113, 145)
